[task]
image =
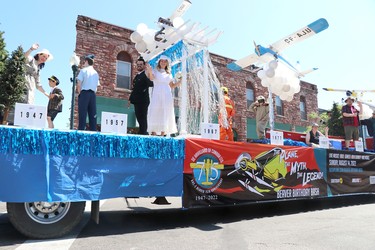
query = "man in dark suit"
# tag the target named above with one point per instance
(55, 100)
(140, 96)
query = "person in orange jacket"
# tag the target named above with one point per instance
(226, 132)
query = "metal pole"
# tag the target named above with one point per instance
(205, 87)
(73, 80)
(270, 101)
(184, 95)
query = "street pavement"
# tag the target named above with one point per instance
(136, 224)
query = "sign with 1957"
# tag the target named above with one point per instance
(30, 115)
(114, 122)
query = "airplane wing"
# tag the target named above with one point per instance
(243, 63)
(300, 35)
(184, 6)
(305, 72)
(345, 90)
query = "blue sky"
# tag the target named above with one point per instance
(343, 53)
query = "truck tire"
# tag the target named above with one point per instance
(42, 220)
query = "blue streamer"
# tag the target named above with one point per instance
(287, 142)
(79, 143)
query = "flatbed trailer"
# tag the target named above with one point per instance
(46, 176)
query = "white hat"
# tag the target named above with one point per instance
(260, 98)
(45, 51)
(163, 57)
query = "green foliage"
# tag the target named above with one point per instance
(320, 119)
(332, 119)
(12, 79)
(3, 53)
(335, 121)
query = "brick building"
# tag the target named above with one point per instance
(115, 57)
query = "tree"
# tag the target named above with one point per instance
(12, 81)
(335, 121)
(3, 57)
(332, 119)
(3, 52)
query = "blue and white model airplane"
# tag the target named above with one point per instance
(264, 55)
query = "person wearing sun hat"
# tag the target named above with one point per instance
(161, 117)
(87, 85)
(350, 120)
(261, 109)
(33, 66)
(55, 100)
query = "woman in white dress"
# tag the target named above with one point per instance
(33, 66)
(161, 117)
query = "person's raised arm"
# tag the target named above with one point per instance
(35, 46)
(149, 73)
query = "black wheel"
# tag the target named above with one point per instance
(44, 220)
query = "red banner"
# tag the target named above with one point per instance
(221, 172)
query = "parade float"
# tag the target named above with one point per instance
(48, 175)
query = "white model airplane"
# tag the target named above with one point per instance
(356, 94)
(164, 23)
(264, 55)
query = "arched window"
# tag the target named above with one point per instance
(123, 70)
(249, 94)
(279, 106)
(302, 108)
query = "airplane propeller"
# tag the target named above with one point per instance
(256, 48)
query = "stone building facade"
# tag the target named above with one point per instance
(111, 46)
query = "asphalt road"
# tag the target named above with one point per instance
(336, 223)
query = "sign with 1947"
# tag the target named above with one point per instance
(30, 115)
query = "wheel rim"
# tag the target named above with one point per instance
(47, 212)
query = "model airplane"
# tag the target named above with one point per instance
(356, 94)
(263, 54)
(164, 23)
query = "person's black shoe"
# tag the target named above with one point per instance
(161, 201)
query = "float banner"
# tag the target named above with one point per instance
(350, 172)
(224, 173)
(52, 165)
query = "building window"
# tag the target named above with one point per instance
(279, 106)
(123, 71)
(302, 108)
(249, 94)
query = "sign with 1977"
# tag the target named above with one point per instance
(30, 115)
(114, 122)
(277, 137)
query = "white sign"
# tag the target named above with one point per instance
(358, 146)
(30, 115)
(323, 142)
(210, 131)
(114, 123)
(277, 137)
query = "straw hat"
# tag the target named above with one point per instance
(349, 97)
